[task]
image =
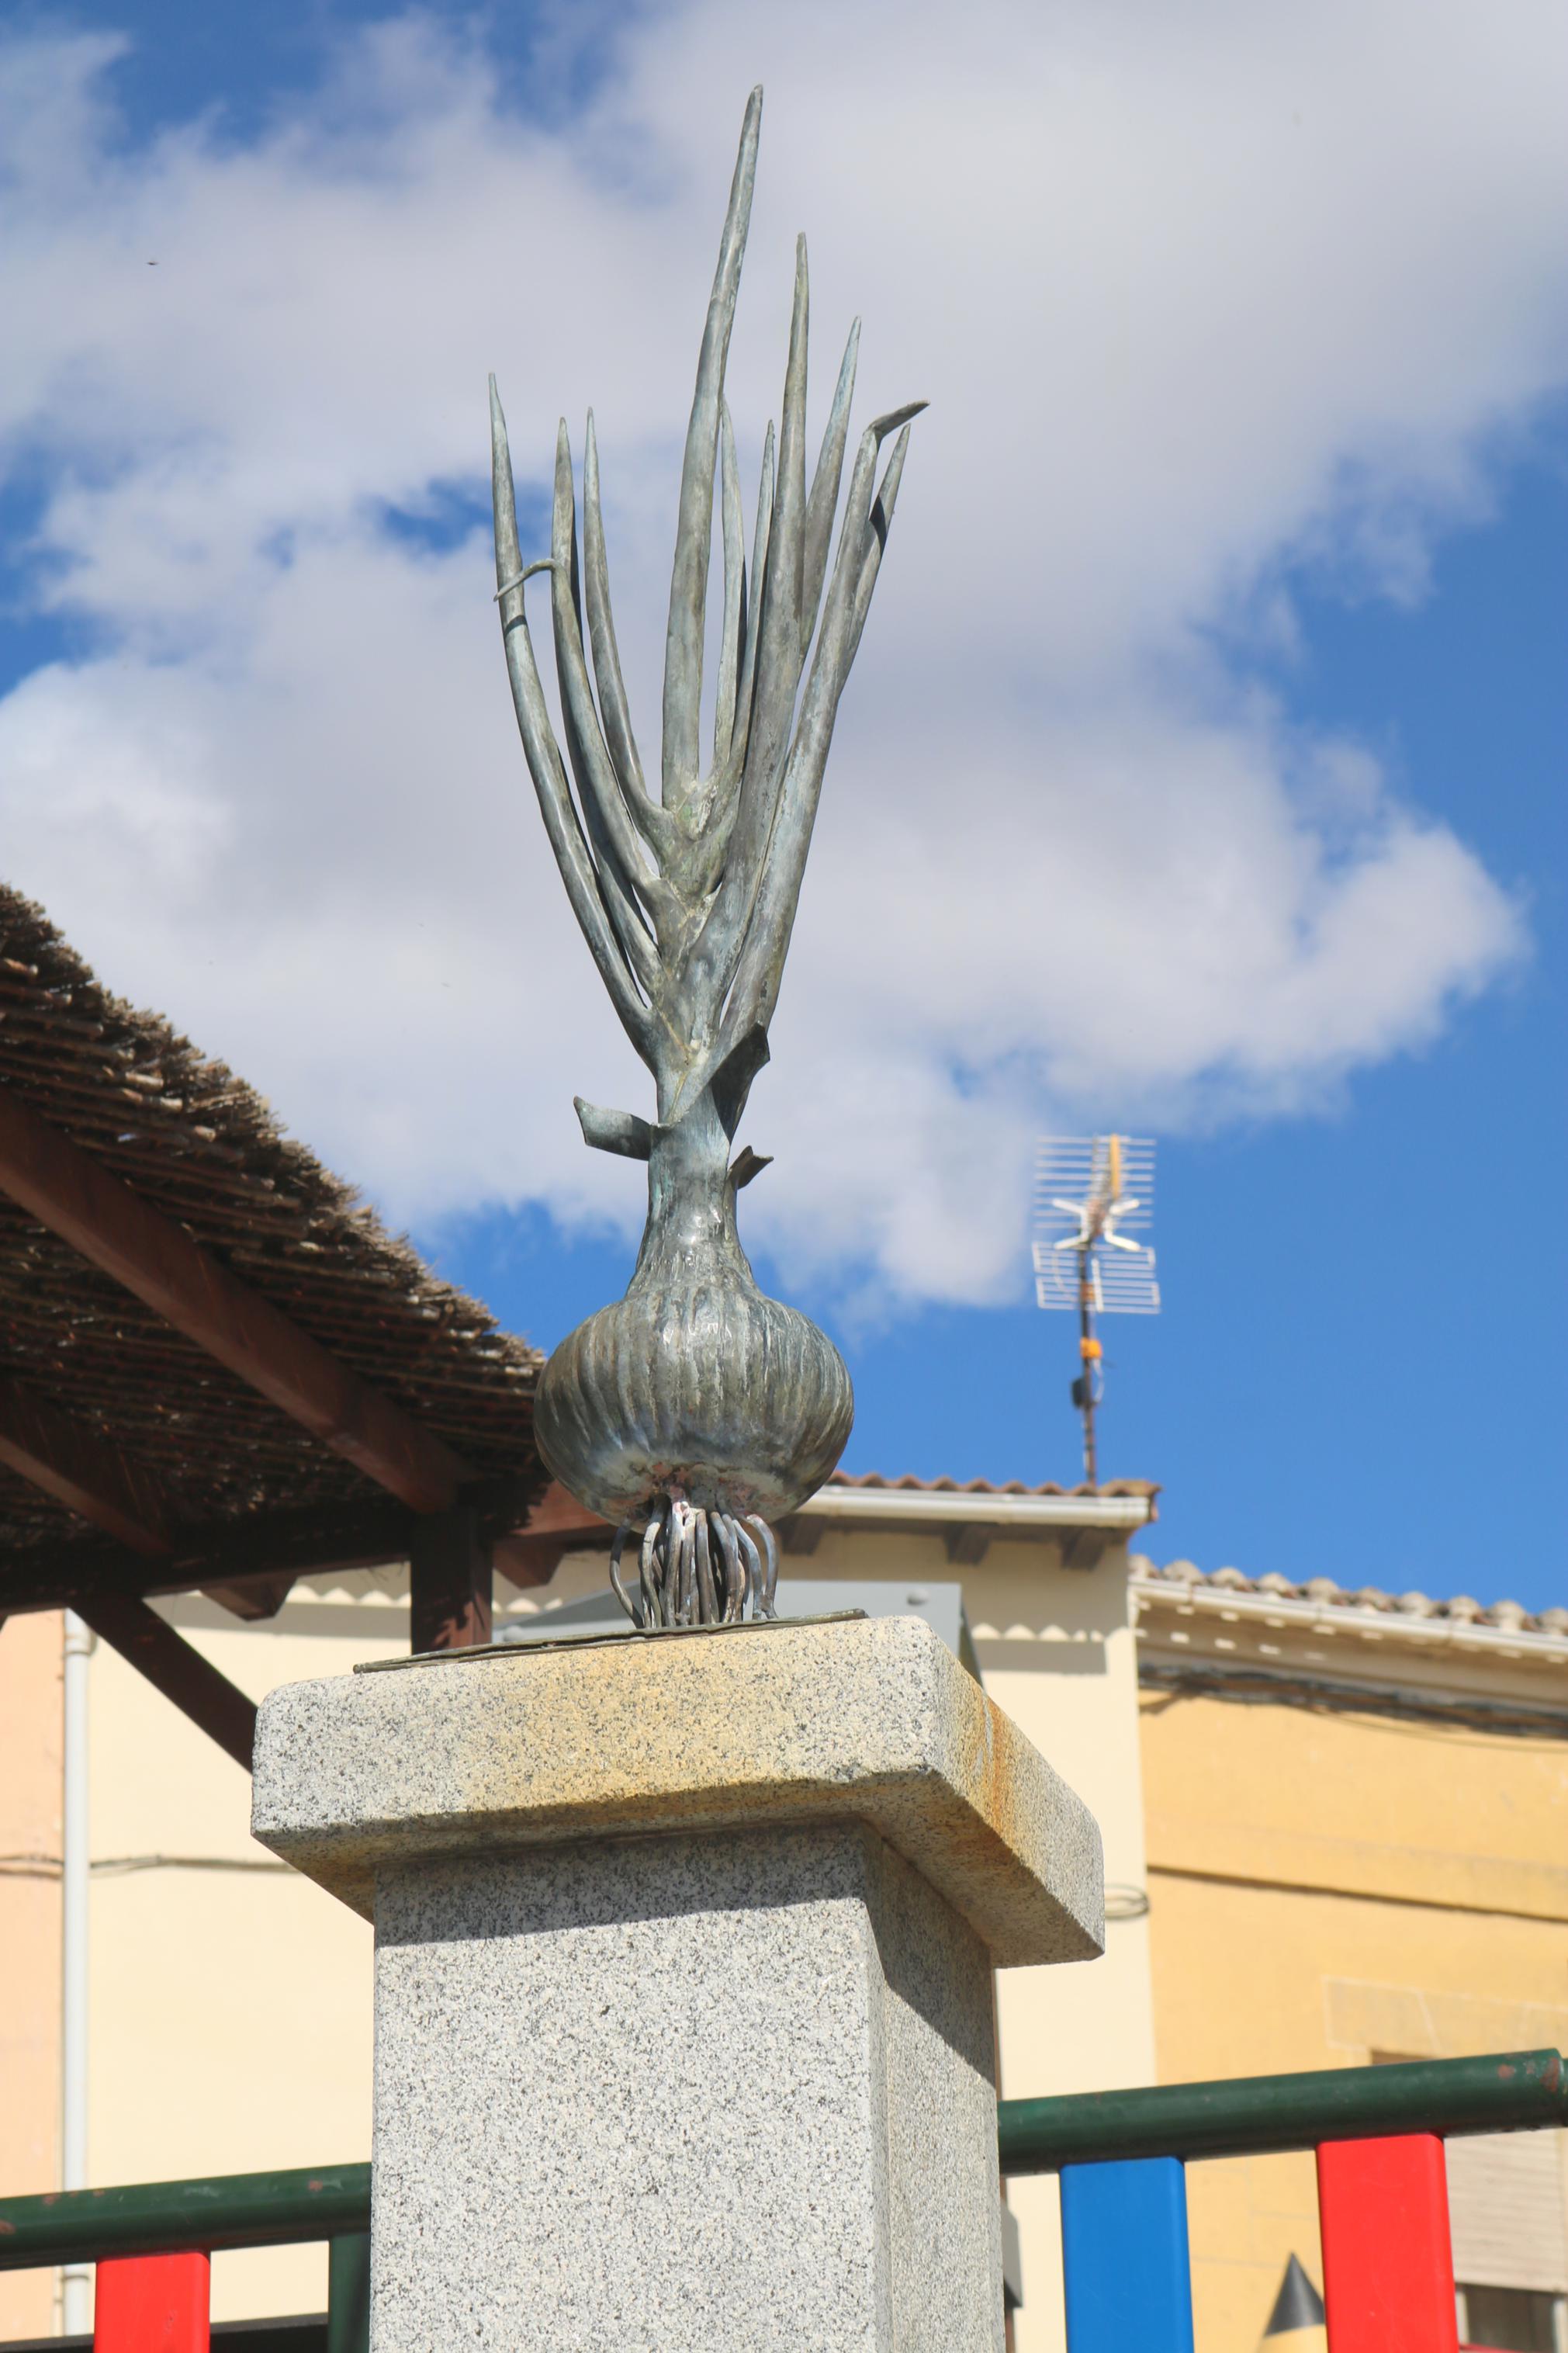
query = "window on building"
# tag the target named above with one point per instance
(1512, 2319)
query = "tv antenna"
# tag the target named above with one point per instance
(1094, 1196)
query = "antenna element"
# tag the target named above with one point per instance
(1092, 1195)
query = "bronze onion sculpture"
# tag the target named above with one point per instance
(697, 1408)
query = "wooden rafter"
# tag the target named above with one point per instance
(300, 1540)
(57, 1454)
(449, 1589)
(558, 1523)
(174, 1667)
(66, 1189)
(251, 1599)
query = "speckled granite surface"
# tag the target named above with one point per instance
(872, 1720)
(683, 2017)
(640, 2095)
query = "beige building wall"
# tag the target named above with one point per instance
(1057, 1650)
(230, 2001)
(1329, 1880)
(1073, 1688)
(1333, 1883)
(31, 1726)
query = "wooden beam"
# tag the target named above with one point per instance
(557, 1524)
(523, 1560)
(173, 1667)
(300, 1540)
(252, 1599)
(67, 1191)
(449, 1589)
(297, 1541)
(56, 1454)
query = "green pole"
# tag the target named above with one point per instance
(348, 2293)
(162, 2218)
(1506, 2092)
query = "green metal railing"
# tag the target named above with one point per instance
(164, 2218)
(1513, 2091)
(1509, 2091)
(234, 2210)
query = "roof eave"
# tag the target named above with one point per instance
(1154, 1597)
(906, 1507)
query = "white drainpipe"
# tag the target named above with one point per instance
(76, 2279)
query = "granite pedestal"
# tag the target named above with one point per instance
(683, 2013)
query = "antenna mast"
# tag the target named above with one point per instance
(1085, 1184)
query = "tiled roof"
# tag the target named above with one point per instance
(197, 1146)
(1321, 1593)
(909, 1483)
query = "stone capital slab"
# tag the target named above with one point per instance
(756, 1727)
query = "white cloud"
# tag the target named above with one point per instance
(1193, 293)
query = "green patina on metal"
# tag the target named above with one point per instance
(696, 1409)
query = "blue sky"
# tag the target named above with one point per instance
(1360, 1368)
(1221, 799)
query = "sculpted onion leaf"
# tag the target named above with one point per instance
(696, 1408)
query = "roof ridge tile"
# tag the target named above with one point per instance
(1505, 1616)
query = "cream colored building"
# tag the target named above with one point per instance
(230, 2000)
(1334, 1830)
(31, 1716)
(1356, 1810)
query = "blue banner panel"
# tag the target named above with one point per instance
(1124, 2257)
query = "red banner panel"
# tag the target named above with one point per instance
(1388, 2267)
(152, 2304)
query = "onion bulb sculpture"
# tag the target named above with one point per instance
(697, 1410)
